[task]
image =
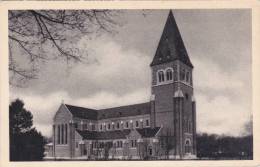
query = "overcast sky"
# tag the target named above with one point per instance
(218, 43)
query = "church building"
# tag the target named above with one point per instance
(162, 128)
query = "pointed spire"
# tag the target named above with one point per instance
(171, 46)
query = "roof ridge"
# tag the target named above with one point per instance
(81, 107)
(124, 106)
(109, 107)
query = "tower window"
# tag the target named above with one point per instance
(187, 77)
(108, 126)
(126, 124)
(169, 75)
(117, 125)
(182, 75)
(161, 76)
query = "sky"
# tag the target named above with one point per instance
(117, 71)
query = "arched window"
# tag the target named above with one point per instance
(169, 75)
(59, 134)
(136, 124)
(62, 134)
(161, 76)
(187, 77)
(187, 146)
(147, 122)
(150, 151)
(66, 134)
(182, 75)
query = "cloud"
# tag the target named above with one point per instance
(44, 108)
(221, 116)
(223, 98)
(209, 75)
(119, 77)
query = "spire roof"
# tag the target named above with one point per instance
(171, 46)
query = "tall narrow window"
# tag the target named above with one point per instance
(136, 124)
(66, 134)
(108, 126)
(117, 125)
(100, 127)
(147, 122)
(62, 134)
(126, 124)
(169, 75)
(187, 146)
(58, 134)
(160, 76)
(150, 151)
(182, 75)
(187, 77)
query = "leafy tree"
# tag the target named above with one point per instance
(26, 143)
(224, 147)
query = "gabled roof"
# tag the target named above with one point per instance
(148, 132)
(81, 112)
(104, 135)
(122, 111)
(125, 111)
(171, 46)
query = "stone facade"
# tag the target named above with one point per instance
(163, 128)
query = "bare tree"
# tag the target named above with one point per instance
(33, 33)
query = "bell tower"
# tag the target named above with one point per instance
(172, 102)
